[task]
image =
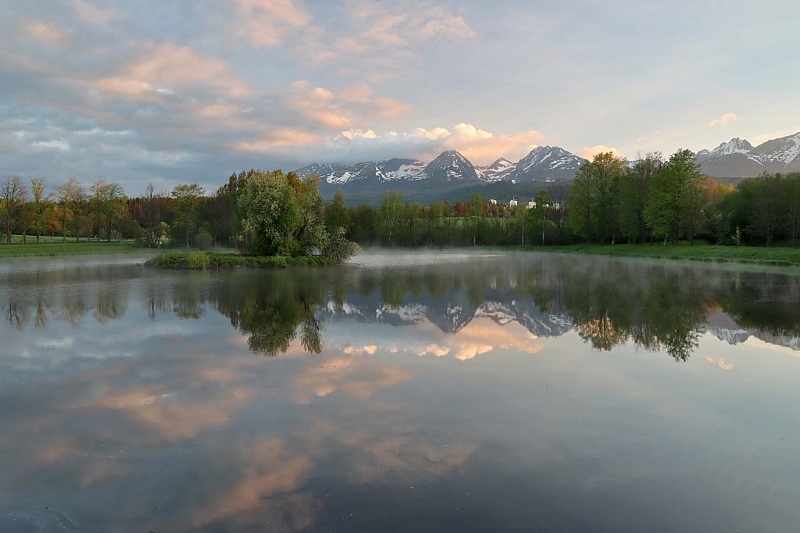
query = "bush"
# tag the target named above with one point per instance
(203, 241)
(198, 260)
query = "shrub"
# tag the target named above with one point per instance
(198, 260)
(203, 240)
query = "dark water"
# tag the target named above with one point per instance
(442, 391)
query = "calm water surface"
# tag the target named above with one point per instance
(441, 391)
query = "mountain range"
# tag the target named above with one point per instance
(455, 312)
(451, 167)
(452, 174)
(738, 158)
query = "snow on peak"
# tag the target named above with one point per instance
(734, 146)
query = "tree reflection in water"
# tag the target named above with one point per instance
(657, 305)
(270, 307)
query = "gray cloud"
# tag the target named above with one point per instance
(154, 91)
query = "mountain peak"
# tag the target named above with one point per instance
(498, 170)
(547, 162)
(734, 146)
(451, 166)
(738, 158)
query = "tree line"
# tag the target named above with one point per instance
(610, 201)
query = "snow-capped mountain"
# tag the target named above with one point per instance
(738, 158)
(734, 146)
(451, 167)
(497, 171)
(384, 171)
(547, 162)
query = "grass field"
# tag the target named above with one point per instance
(698, 252)
(17, 249)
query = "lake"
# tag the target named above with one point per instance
(433, 391)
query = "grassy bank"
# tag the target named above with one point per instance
(697, 252)
(65, 248)
(209, 260)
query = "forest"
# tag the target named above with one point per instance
(611, 200)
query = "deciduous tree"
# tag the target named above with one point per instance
(13, 195)
(674, 203)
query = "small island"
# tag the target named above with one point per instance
(283, 224)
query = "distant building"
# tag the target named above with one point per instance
(512, 203)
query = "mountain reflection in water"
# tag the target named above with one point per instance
(440, 391)
(660, 307)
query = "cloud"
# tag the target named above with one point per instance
(724, 119)
(47, 33)
(408, 26)
(720, 363)
(429, 340)
(91, 13)
(56, 144)
(349, 374)
(268, 22)
(285, 138)
(481, 147)
(649, 137)
(590, 152)
(378, 41)
(166, 68)
(346, 109)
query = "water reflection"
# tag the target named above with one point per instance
(132, 400)
(659, 307)
(273, 308)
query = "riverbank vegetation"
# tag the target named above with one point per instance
(699, 251)
(655, 203)
(198, 260)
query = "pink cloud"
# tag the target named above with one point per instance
(284, 138)
(482, 147)
(724, 119)
(343, 110)
(590, 152)
(43, 32)
(167, 68)
(268, 22)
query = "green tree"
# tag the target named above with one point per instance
(365, 224)
(474, 215)
(285, 215)
(311, 233)
(390, 212)
(337, 215)
(768, 208)
(793, 207)
(674, 207)
(186, 205)
(634, 193)
(270, 214)
(594, 198)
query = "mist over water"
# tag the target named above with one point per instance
(441, 390)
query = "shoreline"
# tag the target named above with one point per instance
(708, 253)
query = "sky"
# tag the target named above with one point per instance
(190, 91)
